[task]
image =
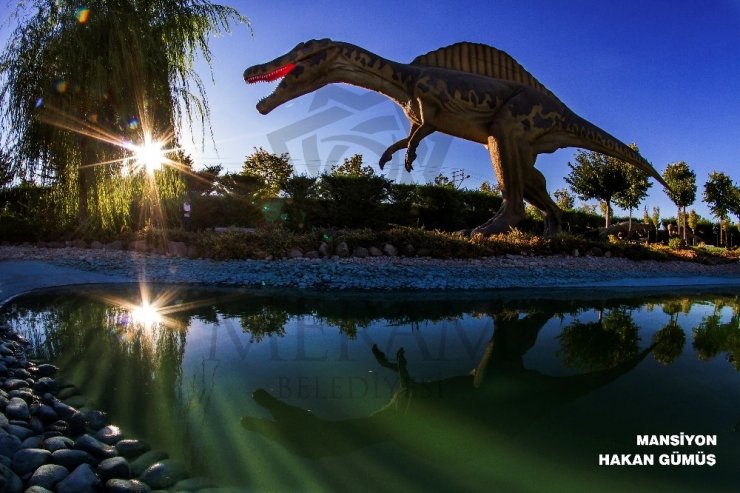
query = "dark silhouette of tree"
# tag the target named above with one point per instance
(272, 169)
(669, 342)
(597, 176)
(682, 181)
(602, 344)
(564, 199)
(352, 166)
(636, 189)
(721, 194)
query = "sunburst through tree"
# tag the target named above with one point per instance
(91, 95)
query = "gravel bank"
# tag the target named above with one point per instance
(381, 273)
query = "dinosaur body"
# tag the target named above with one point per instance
(466, 90)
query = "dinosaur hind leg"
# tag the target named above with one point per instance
(535, 192)
(509, 163)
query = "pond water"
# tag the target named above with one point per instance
(526, 391)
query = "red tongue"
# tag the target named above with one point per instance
(274, 75)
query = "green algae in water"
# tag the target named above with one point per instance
(282, 391)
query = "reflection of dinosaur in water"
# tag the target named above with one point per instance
(445, 418)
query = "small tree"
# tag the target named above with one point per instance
(693, 220)
(655, 219)
(352, 166)
(272, 169)
(682, 181)
(206, 181)
(565, 200)
(486, 187)
(597, 176)
(646, 220)
(720, 194)
(443, 181)
(635, 192)
(6, 172)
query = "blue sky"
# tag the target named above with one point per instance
(663, 74)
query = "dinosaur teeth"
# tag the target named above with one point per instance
(276, 74)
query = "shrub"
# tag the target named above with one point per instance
(676, 243)
(354, 201)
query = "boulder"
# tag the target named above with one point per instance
(177, 249)
(375, 252)
(47, 476)
(163, 474)
(324, 249)
(82, 480)
(295, 253)
(27, 460)
(342, 249)
(360, 252)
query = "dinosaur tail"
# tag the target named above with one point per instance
(589, 136)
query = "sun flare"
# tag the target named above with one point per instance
(149, 156)
(146, 315)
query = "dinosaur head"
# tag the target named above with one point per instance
(303, 70)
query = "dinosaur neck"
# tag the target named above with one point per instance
(362, 68)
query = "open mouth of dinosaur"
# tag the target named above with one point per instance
(271, 76)
(276, 74)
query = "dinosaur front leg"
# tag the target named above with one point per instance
(509, 159)
(397, 146)
(415, 137)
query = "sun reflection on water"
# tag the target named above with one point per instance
(146, 315)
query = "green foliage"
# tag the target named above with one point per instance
(655, 217)
(564, 199)
(271, 169)
(205, 181)
(352, 166)
(352, 200)
(268, 321)
(597, 176)
(486, 187)
(602, 344)
(693, 220)
(209, 211)
(70, 87)
(723, 197)
(637, 186)
(302, 207)
(669, 342)
(443, 181)
(676, 243)
(682, 181)
(712, 337)
(720, 193)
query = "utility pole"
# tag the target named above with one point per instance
(458, 177)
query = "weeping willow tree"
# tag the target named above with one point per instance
(81, 87)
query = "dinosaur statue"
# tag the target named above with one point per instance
(466, 90)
